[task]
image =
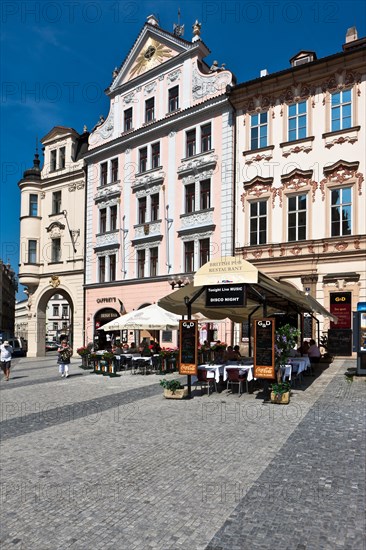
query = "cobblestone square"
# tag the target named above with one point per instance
(108, 463)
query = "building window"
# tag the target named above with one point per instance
(103, 173)
(258, 130)
(127, 121)
(173, 99)
(53, 160)
(113, 218)
(101, 266)
(189, 256)
(190, 191)
(61, 158)
(205, 138)
(258, 222)
(65, 311)
(102, 220)
(112, 267)
(64, 326)
(55, 326)
(56, 311)
(341, 220)
(154, 207)
(155, 155)
(143, 159)
(142, 210)
(190, 143)
(140, 264)
(33, 205)
(297, 121)
(56, 202)
(205, 194)
(297, 218)
(32, 252)
(114, 170)
(204, 245)
(56, 250)
(149, 109)
(341, 110)
(153, 262)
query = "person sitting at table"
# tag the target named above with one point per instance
(231, 354)
(116, 349)
(304, 348)
(154, 347)
(145, 350)
(294, 352)
(237, 351)
(133, 348)
(314, 352)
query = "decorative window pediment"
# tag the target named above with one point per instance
(55, 229)
(297, 180)
(342, 172)
(256, 188)
(203, 161)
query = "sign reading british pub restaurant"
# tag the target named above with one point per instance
(264, 355)
(226, 296)
(188, 347)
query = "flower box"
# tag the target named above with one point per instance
(280, 398)
(177, 394)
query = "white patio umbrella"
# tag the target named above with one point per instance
(148, 318)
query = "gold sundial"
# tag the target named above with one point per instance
(153, 54)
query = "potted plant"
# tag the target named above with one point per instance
(173, 389)
(84, 354)
(280, 393)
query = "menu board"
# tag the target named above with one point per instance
(341, 307)
(264, 357)
(340, 342)
(188, 347)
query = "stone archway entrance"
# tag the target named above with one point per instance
(36, 348)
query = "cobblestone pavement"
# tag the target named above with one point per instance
(107, 463)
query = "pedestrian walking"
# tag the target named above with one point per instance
(63, 360)
(6, 351)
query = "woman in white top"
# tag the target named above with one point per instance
(5, 357)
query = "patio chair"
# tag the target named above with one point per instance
(141, 366)
(235, 377)
(206, 379)
(296, 376)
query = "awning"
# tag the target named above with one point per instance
(261, 289)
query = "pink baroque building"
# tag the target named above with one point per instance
(160, 183)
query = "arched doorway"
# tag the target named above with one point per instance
(65, 322)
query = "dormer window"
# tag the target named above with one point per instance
(53, 160)
(62, 158)
(302, 57)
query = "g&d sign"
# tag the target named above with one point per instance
(188, 347)
(226, 296)
(264, 356)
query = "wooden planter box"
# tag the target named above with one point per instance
(280, 399)
(178, 394)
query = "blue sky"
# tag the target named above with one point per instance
(57, 58)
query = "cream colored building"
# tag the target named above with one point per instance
(300, 186)
(52, 233)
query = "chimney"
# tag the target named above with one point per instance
(351, 35)
(263, 72)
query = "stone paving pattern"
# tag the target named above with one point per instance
(107, 463)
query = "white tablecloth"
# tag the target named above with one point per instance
(216, 369)
(303, 362)
(243, 368)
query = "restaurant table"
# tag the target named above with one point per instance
(218, 371)
(303, 362)
(244, 368)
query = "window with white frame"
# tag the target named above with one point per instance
(33, 205)
(142, 203)
(55, 326)
(56, 311)
(190, 198)
(154, 216)
(56, 202)
(190, 143)
(297, 121)
(154, 261)
(173, 103)
(143, 159)
(101, 269)
(204, 251)
(53, 157)
(56, 250)
(127, 120)
(104, 173)
(341, 108)
(65, 311)
(258, 130)
(189, 256)
(114, 169)
(258, 222)
(113, 218)
(150, 109)
(62, 158)
(141, 263)
(102, 220)
(155, 155)
(112, 267)
(205, 138)
(205, 194)
(32, 251)
(341, 211)
(296, 218)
